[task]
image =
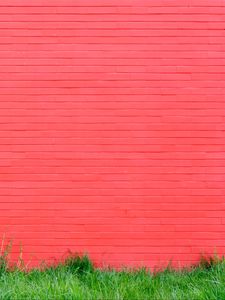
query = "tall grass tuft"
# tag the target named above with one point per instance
(79, 264)
(4, 256)
(209, 261)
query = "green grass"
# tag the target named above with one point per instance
(76, 278)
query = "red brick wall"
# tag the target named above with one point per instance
(112, 128)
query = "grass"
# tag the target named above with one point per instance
(77, 278)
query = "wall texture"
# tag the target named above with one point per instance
(112, 132)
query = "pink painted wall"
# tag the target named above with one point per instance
(112, 128)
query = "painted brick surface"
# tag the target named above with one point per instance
(112, 128)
